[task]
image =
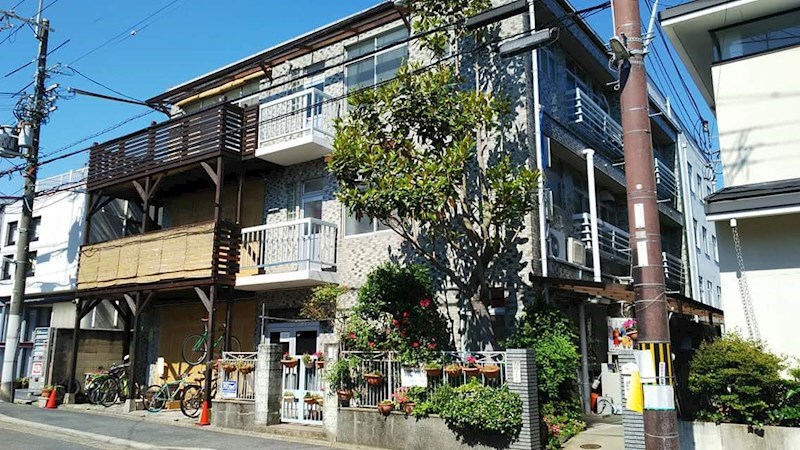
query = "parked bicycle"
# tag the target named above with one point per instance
(195, 348)
(113, 386)
(156, 397)
(194, 395)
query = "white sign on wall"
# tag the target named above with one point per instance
(413, 377)
(229, 388)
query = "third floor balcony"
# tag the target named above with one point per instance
(594, 124)
(297, 128)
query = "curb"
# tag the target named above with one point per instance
(77, 434)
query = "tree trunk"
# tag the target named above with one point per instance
(483, 332)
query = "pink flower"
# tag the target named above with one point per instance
(371, 344)
(405, 314)
(425, 302)
(352, 335)
(415, 344)
(432, 346)
(471, 359)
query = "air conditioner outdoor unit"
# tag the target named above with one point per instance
(576, 251)
(557, 245)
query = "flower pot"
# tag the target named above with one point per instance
(309, 364)
(633, 334)
(385, 408)
(434, 373)
(472, 371)
(246, 369)
(289, 363)
(320, 364)
(373, 379)
(453, 371)
(228, 368)
(310, 400)
(408, 407)
(288, 399)
(344, 395)
(490, 371)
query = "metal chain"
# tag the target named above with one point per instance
(744, 289)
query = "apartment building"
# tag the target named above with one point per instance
(48, 311)
(241, 217)
(738, 54)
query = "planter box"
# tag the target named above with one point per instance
(729, 436)
(367, 427)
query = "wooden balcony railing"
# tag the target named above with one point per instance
(176, 142)
(200, 253)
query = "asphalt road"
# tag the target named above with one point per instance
(128, 432)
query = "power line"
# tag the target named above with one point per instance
(78, 72)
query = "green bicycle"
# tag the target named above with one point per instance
(157, 396)
(195, 349)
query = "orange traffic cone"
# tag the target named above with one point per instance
(205, 415)
(51, 401)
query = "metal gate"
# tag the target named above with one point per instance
(302, 397)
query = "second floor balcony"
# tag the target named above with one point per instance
(164, 146)
(594, 124)
(614, 242)
(298, 253)
(297, 128)
(199, 254)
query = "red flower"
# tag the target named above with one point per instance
(425, 302)
(405, 314)
(352, 335)
(415, 344)
(371, 344)
(432, 346)
(395, 322)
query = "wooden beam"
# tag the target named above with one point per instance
(147, 301)
(204, 298)
(156, 182)
(140, 189)
(211, 172)
(131, 303)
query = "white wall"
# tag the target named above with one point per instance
(772, 261)
(60, 237)
(758, 117)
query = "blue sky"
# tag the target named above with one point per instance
(187, 39)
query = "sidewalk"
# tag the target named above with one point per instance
(134, 431)
(601, 433)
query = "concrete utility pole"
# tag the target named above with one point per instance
(660, 419)
(21, 256)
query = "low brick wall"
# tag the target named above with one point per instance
(729, 436)
(398, 431)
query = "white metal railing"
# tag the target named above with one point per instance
(614, 242)
(391, 370)
(673, 270)
(297, 115)
(302, 392)
(666, 184)
(303, 244)
(596, 124)
(72, 177)
(237, 370)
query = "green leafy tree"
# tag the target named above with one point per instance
(418, 155)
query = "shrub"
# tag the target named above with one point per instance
(738, 381)
(321, 305)
(553, 338)
(474, 406)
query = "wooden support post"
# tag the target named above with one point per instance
(73, 361)
(136, 313)
(228, 318)
(239, 197)
(210, 344)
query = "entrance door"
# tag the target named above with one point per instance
(301, 383)
(295, 338)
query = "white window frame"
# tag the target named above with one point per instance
(374, 231)
(714, 248)
(375, 55)
(705, 241)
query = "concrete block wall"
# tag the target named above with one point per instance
(96, 349)
(521, 379)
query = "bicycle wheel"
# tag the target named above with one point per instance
(155, 398)
(236, 346)
(110, 391)
(191, 400)
(194, 349)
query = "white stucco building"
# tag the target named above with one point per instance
(743, 56)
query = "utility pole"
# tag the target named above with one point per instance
(660, 419)
(39, 111)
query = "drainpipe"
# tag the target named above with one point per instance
(585, 382)
(537, 134)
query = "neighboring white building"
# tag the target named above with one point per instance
(742, 55)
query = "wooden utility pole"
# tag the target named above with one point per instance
(37, 115)
(660, 419)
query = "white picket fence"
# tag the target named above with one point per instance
(239, 369)
(302, 396)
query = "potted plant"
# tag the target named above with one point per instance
(490, 370)
(309, 399)
(229, 367)
(307, 361)
(453, 370)
(374, 378)
(47, 390)
(340, 379)
(401, 396)
(319, 399)
(288, 396)
(289, 361)
(246, 368)
(631, 329)
(320, 359)
(433, 369)
(471, 368)
(385, 407)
